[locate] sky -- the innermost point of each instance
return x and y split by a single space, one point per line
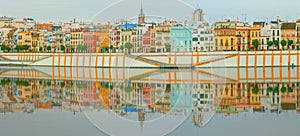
115 10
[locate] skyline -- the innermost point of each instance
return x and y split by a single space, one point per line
113 10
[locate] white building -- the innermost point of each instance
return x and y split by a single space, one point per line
202 32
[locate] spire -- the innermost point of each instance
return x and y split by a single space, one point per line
141 18
141 12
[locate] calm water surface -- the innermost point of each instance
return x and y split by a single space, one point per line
51 101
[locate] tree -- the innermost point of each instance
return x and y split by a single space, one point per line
122 48
62 84
255 90
255 43
25 47
41 49
79 48
5 48
290 90
62 48
128 89
128 46
111 47
48 48
276 90
270 43
283 89
72 49
84 48
283 44
276 43
105 49
270 89
291 42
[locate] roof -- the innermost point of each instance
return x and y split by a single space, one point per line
8 26
259 23
288 26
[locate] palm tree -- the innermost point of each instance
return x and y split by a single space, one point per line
283 44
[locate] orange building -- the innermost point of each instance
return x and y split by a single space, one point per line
255 99
289 32
225 36
225 98
288 99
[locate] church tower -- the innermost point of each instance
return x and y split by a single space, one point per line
141 18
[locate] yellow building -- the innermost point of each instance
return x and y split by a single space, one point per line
104 94
102 39
76 37
163 38
225 36
225 98
125 36
152 40
35 42
134 41
24 38
255 34
255 99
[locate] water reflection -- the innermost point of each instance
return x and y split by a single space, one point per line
146 97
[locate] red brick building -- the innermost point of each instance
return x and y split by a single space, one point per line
47 27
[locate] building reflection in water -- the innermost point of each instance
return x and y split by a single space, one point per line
128 97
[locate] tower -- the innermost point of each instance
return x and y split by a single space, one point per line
199 15
141 18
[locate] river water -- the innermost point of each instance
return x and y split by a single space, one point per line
66 101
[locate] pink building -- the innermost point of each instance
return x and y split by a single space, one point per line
146 41
90 93
90 39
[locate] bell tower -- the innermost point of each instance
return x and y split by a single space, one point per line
141 18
